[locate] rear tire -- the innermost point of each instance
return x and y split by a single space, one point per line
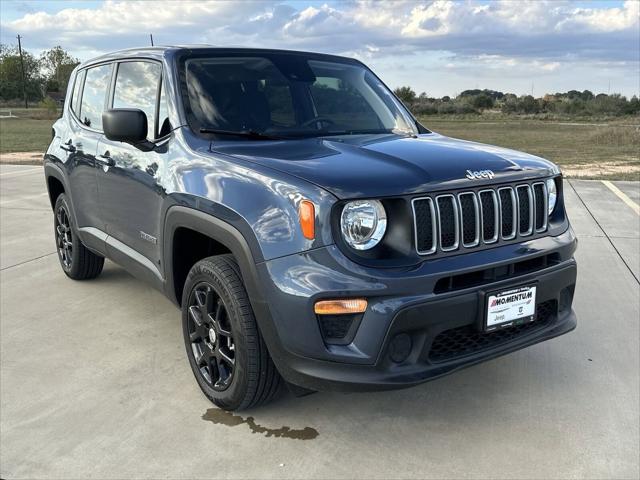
225 349
76 260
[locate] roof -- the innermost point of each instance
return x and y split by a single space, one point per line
158 52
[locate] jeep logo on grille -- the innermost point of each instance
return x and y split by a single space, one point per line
480 174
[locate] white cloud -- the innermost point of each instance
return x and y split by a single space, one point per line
542 37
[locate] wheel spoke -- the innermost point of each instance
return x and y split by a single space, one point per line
226 358
201 298
194 311
195 336
219 310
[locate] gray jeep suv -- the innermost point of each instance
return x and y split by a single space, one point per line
313 233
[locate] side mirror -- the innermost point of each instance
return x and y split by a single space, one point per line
128 125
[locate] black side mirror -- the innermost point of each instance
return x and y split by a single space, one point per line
128 125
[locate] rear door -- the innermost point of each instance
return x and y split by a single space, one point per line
81 143
130 191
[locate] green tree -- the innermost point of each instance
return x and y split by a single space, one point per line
57 65
482 101
11 75
406 94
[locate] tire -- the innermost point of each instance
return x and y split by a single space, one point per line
76 260
232 365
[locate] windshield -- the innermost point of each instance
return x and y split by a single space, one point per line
288 95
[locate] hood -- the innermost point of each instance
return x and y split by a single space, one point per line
366 166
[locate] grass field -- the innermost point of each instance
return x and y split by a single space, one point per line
607 149
586 150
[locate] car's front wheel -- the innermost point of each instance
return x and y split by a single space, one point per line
227 354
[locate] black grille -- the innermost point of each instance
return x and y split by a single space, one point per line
488 216
506 205
539 196
424 225
445 222
523 210
447 217
469 216
467 340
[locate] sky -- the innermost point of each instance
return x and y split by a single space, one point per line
438 47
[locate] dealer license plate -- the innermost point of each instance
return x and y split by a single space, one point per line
510 308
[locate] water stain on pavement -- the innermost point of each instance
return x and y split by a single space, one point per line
222 417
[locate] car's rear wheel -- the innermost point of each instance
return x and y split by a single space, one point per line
226 352
76 260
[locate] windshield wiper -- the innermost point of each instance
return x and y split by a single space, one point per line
239 133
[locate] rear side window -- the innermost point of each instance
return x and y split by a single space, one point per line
94 95
137 87
75 97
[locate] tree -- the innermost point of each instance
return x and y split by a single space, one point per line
482 101
57 64
11 74
406 94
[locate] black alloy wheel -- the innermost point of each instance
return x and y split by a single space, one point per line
212 344
64 237
76 260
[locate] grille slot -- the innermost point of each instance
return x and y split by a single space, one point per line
444 222
425 225
469 217
540 201
489 208
509 214
448 222
525 212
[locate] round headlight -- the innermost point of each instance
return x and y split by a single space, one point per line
363 223
552 194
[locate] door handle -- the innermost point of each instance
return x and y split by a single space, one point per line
106 159
68 147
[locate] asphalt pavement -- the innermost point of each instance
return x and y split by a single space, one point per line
94 382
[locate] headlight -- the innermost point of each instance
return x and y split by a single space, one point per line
363 223
552 194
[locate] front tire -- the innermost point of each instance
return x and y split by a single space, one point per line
225 349
76 260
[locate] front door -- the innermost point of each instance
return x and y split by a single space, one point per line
131 194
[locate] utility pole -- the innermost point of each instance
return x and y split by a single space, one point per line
151 37
24 85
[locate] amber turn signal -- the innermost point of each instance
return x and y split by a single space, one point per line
307 213
340 307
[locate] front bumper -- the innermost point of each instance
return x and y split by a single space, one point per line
442 324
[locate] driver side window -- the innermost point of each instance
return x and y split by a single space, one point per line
137 87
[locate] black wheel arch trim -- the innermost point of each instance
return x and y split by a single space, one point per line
52 170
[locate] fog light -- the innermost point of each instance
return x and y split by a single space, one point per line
400 348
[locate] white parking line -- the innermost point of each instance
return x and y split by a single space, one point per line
22 199
20 173
622 196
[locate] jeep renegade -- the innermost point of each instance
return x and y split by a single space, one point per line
312 231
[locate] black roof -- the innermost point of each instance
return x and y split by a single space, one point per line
159 52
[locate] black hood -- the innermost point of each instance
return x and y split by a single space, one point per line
366 166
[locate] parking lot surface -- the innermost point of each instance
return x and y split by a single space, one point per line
94 382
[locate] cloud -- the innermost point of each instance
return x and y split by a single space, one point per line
544 36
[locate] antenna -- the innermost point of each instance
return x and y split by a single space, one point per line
151 37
